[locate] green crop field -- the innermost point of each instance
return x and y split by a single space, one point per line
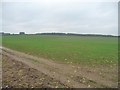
75 49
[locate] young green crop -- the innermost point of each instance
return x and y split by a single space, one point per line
75 49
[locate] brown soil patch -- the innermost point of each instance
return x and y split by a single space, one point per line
67 75
18 75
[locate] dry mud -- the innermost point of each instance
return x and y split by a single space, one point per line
23 70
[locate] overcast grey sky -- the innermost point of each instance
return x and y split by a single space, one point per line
60 16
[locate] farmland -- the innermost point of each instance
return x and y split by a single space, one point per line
74 49
55 61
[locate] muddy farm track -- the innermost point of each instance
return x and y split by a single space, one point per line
23 70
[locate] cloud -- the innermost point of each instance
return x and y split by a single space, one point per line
52 1
79 17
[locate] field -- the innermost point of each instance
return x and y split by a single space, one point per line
75 49
59 61
24 76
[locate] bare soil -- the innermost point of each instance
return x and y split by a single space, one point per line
23 70
18 75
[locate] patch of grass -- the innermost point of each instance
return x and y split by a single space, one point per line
0 40
76 49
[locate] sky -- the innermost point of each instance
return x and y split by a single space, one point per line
66 16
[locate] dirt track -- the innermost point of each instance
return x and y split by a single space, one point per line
66 75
